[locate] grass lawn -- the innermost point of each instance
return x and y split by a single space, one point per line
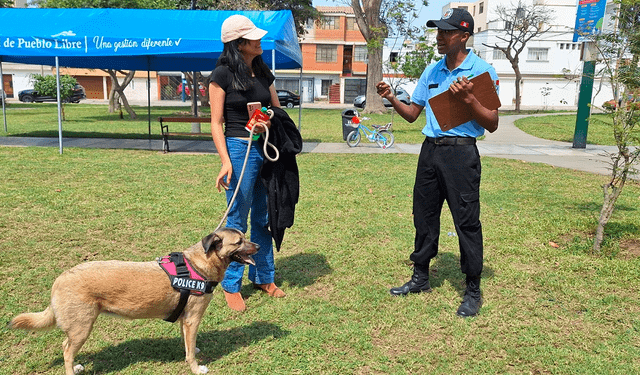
90 120
562 127
550 306
318 125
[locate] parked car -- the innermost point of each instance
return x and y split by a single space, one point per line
288 99
187 90
401 94
30 96
633 102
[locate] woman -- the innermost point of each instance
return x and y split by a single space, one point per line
242 77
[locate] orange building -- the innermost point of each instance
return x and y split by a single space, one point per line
334 55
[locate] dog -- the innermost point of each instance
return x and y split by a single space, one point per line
135 290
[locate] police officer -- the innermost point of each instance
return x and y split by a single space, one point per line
449 162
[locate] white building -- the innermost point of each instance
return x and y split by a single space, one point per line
550 64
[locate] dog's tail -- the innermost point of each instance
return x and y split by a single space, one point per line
34 321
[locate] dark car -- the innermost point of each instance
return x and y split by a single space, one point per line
288 99
403 96
30 96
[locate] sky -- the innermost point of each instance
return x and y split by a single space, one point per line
431 12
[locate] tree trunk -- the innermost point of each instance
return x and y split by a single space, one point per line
127 107
516 69
374 75
117 92
611 194
374 31
204 100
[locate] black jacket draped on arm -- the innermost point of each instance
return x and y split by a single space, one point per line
281 177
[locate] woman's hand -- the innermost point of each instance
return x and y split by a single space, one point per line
261 125
222 181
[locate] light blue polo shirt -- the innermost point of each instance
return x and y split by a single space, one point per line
436 79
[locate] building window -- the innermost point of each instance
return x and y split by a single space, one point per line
561 45
309 24
352 24
326 85
329 23
393 57
538 54
326 53
499 55
360 53
480 8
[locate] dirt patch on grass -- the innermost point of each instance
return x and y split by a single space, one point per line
404 341
630 249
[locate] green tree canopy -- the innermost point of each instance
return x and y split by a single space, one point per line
378 20
47 85
416 61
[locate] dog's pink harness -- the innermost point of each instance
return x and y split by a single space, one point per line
184 279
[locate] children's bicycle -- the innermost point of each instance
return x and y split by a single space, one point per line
381 134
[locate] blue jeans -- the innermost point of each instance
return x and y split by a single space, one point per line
252 196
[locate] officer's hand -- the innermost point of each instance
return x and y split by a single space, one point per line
384 90
461 90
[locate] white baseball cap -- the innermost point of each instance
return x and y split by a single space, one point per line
238 26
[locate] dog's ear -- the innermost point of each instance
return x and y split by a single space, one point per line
211 242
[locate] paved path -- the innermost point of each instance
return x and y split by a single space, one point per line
507 142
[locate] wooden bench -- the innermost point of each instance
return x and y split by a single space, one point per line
164 128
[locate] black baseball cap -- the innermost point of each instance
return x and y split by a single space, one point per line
454 19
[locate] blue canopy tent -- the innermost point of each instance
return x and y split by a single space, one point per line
135 39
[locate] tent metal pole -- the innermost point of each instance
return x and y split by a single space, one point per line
195 91
300 105
59 104
3 97
273 62
149 96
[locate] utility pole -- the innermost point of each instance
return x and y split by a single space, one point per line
589 20
584 98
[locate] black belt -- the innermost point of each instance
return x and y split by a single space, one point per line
451 141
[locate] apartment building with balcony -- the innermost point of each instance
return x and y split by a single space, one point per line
334 55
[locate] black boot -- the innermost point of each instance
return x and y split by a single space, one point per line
472 300
419 282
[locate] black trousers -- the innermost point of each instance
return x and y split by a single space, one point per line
451 173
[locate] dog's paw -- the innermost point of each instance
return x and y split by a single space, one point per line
78 369
203 369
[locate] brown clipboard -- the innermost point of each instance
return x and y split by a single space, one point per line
450 112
